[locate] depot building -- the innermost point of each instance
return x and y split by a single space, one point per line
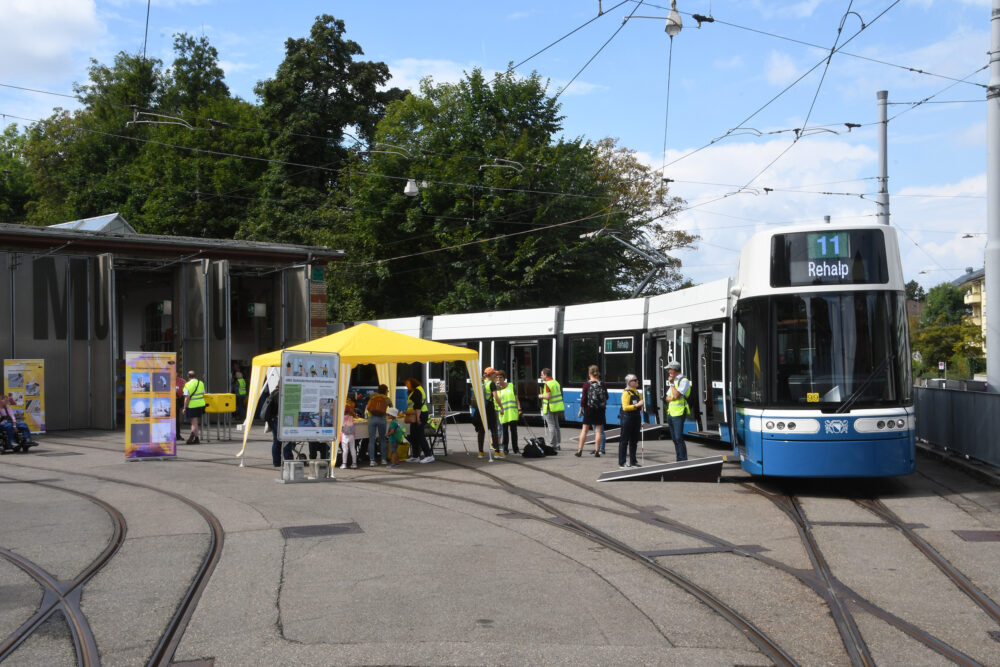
81 294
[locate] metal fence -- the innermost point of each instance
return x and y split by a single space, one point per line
966 422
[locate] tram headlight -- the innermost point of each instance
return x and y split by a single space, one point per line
791 426
781 426
769 425
900 423
880 424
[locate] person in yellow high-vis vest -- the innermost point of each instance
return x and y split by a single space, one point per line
508 412
552 407
194 405
678 390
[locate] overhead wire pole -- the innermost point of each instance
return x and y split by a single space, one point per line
991 278
883 157
658 260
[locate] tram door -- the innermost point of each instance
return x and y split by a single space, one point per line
709 380
670 346
524 375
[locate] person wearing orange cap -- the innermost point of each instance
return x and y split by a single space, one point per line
489 389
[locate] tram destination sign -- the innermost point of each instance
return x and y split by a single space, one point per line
835 257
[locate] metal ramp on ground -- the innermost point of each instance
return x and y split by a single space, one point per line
708 469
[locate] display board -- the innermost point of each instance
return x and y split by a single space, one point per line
24 381
150 405
834 257
309 395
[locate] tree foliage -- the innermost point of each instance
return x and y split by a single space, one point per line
945 332
503 201
321 157
914 291
944 304
319 93
15 183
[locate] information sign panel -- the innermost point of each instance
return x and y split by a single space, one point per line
24 381
150 405
309 395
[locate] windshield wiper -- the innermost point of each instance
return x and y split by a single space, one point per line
856 394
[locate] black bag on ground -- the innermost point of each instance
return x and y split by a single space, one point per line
531 450
548 450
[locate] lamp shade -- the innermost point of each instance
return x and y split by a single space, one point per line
411 188
674 25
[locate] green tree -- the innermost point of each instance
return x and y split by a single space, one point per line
15 182
319 94
195 77
81 162
945 332
914 291
497 220
944 304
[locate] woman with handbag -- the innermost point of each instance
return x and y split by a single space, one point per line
416 405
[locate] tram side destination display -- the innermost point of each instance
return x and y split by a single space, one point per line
308 399
835 257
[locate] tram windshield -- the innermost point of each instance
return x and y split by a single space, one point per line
840 350
830 351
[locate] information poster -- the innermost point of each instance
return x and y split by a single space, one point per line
150 405
308 395
24 381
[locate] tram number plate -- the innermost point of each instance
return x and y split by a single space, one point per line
812 397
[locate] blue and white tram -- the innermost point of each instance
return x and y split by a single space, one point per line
690 326
820 360
610 334
519 342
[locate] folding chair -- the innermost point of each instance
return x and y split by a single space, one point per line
434 431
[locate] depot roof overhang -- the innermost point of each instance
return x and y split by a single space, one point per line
27 238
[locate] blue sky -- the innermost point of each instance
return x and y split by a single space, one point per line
725 81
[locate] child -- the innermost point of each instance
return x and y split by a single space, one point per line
347 436
395 436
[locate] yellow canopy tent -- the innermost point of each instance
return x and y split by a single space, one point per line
366 344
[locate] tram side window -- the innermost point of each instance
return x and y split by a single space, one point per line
750 357
582 352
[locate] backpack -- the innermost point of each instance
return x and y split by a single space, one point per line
269 410
377 405
597 396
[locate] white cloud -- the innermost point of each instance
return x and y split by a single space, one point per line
804 9
408 72
229 67
39 41
733 62
933 219
780 69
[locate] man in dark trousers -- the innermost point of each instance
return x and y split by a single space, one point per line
489 389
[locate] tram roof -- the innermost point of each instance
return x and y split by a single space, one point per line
691 305
499 324
410 326
621 315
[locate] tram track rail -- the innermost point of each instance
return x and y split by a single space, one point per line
747 628
826 585
64 597
840 597
170 638
962 582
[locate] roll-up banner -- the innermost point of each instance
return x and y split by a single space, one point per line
308 396
150 405
24 381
